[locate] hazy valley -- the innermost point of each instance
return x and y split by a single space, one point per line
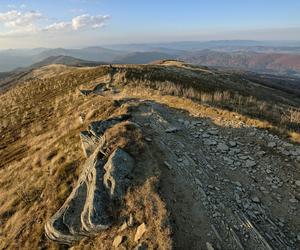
260 57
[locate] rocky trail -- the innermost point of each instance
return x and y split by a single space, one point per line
160 156
226 187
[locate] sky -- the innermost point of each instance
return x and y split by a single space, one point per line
81 23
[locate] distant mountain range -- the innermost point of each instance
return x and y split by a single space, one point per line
143 57
8 79
273 63
65 60
12 59
281 58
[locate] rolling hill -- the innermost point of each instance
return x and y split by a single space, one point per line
274 63
167 155
65 60
9 79
143 57
13 59
250 55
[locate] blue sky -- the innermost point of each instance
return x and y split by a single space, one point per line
77 23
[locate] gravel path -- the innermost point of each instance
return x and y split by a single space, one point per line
226 187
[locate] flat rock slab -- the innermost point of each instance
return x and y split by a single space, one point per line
98 128
118 167
90 138
86 210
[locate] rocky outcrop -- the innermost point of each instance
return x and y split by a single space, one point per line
88 143
90 138
87 210
97 90
118 167
98 128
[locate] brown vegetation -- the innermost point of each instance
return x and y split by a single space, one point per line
40 146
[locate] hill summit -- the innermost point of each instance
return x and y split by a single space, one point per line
166 155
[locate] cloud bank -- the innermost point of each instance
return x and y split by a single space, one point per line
18 22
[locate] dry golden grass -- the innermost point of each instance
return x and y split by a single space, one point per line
41 156
142 200
228 91
194 108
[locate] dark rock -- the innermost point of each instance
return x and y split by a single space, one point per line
118 167
98 128
87 210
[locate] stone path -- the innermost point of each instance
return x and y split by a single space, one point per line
227 187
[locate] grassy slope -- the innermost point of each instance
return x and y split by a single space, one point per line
41 158
40 149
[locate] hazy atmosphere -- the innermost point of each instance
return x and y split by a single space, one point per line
78 23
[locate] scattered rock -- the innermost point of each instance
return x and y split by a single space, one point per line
297 183
205 135
130 221
81 118
232 144
293 200
210 142
209 246
261 153
118 241
172 130
250 163
223 147
168 165
213 132
140 232
123 227
271 144
243 157
141 246
256 199
148 139
85 92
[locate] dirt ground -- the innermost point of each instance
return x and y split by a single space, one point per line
224 184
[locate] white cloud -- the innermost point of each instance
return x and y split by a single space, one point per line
19 21
81 22
87 21
58 26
